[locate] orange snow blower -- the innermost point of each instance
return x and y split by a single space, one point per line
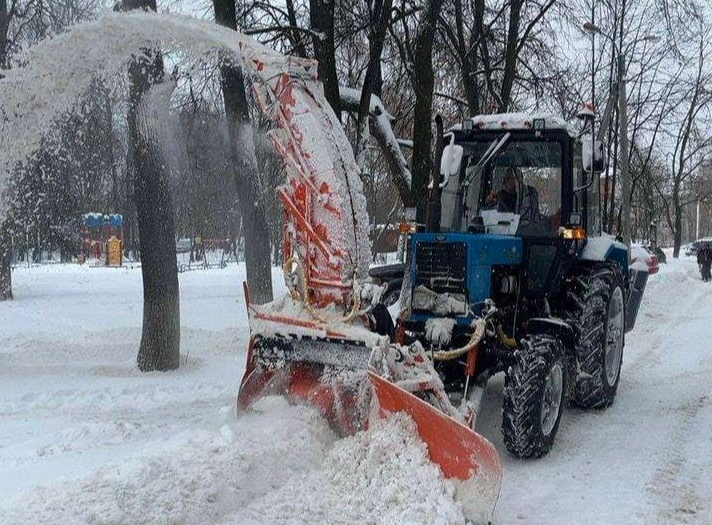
348 371
319 344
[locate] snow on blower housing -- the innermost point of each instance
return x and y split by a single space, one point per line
510 274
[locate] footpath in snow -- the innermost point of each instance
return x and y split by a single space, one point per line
86 438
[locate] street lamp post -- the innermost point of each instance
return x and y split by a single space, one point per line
625 171
593 29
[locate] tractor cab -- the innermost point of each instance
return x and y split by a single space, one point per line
516 175
512 212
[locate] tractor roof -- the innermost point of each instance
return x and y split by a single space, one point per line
516 121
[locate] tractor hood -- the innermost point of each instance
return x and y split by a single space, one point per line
451 273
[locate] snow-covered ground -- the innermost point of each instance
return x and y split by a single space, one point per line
87 439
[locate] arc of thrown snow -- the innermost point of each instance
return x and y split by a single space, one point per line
60 70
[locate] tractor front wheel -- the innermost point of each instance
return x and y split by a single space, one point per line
534 393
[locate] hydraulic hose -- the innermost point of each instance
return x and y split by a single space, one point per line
475 338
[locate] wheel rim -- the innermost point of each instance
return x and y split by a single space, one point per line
614 336
551 400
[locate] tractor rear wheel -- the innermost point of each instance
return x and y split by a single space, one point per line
597 310
534 394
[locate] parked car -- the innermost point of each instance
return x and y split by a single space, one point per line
645 254
692 248
183 245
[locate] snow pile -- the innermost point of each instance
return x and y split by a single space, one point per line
381 476
597 247
87 439
119 447
192 478
276 465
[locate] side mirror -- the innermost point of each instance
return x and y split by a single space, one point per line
451 160
599 163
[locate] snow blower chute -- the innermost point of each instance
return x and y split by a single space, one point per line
325 343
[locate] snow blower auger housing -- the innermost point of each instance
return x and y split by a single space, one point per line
329 341
513 241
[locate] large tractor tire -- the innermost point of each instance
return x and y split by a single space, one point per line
534 395
597 311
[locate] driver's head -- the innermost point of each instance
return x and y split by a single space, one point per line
510 180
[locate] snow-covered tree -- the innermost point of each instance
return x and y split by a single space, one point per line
160 336
244 162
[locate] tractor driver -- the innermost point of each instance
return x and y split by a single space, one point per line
506 198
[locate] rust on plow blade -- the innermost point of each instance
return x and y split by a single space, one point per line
464 456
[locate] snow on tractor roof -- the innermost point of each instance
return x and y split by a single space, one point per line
515 121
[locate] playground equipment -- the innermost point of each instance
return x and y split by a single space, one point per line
102 238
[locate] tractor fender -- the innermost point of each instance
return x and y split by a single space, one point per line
553 326
605 248
638 280
563 331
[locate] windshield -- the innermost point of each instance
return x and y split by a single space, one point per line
523 178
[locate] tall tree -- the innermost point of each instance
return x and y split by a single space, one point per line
511 54
5 265
5 269
692 148
254 217
423 85
160 337
321 14
380 19
4 26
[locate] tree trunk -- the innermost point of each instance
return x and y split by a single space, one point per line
380 19
294 35
511 55
382 131
423 85
5 268
677 234
4 23
160 337
468 58
614 176
258 260
321 15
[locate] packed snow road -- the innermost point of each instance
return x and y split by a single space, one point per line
86 438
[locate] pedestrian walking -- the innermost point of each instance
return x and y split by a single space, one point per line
704 259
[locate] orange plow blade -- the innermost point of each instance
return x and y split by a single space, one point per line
311 372
461 453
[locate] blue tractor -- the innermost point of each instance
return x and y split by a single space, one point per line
513 244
